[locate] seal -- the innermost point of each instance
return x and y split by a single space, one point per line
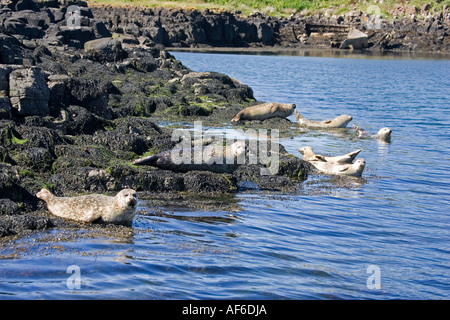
120 209
339 122
383 135
309 155
351 169
213 158
265 111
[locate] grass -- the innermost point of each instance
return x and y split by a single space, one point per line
280 7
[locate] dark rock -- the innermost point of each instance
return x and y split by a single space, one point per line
37 159
10 183
5 108
198 182
104 49
19 224
8 207
91 94
81 121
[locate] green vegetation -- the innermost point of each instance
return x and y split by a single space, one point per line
18 141
281 7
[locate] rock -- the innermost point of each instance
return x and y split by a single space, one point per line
425 8
81 121
265 33
91 94
10 183
29 93
5 108
356 40
104 49
36 159
8 207
10 50
19 224
57 84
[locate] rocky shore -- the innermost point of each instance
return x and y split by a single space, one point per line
78 105
182 28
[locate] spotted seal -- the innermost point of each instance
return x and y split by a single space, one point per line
120 209
213 159
339 122
265 111
309 155
350 169
383 135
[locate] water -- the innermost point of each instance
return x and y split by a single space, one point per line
318 244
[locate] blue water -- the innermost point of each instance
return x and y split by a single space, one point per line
317 244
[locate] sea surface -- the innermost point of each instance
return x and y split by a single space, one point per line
385 236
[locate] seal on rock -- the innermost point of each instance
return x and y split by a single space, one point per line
265 111
383 135
351 169
120 209
213 158
309 155
339 122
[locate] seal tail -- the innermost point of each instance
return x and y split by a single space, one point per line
352 155
150 160
45 195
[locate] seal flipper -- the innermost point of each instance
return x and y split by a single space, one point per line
150 160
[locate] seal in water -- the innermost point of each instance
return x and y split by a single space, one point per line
309 155
265 111
93 207
214 159
339 122
383 135
353 169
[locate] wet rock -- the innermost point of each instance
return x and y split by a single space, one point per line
198 182
19 224
29 94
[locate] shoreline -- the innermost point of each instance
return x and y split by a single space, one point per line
78 105
317 52
205 29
